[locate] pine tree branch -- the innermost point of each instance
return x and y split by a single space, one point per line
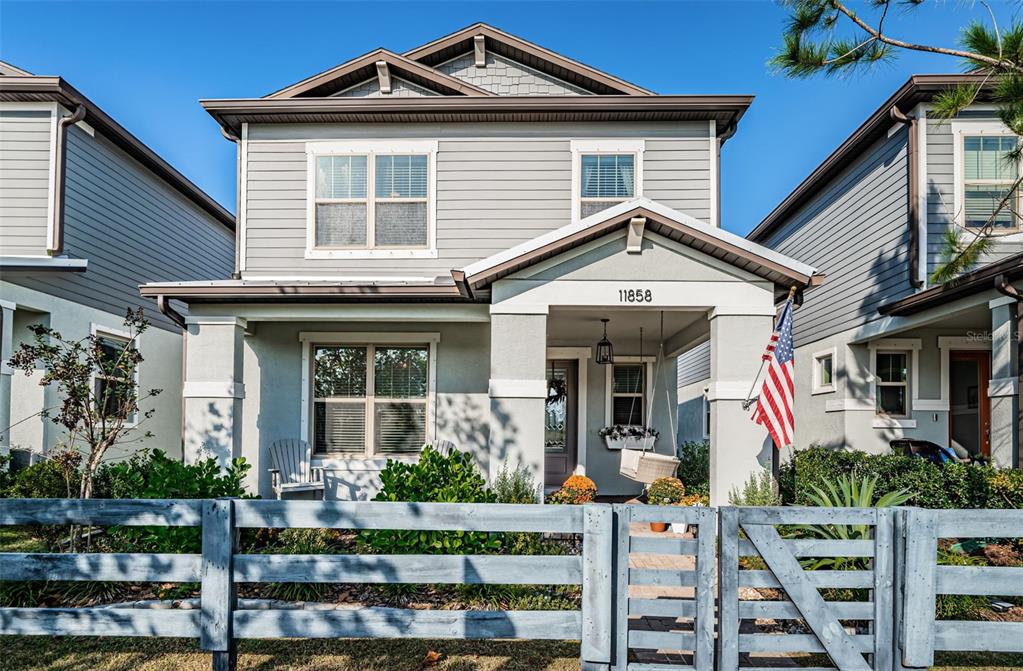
968 55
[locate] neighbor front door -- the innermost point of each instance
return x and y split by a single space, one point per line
560 422
969 418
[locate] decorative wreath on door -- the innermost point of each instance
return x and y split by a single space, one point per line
556 391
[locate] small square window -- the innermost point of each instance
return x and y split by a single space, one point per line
824 372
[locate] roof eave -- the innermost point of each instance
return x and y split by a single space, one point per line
982 279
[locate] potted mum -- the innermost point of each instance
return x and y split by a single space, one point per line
628 437
664 492
577 490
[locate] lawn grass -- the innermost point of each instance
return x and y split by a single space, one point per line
37 653
20 539
977 661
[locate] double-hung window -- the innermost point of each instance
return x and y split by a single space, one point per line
371 199
113 383
370 399
986 175
604 173
628 394
891 381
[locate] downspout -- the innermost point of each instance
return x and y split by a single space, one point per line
163 304
1003 287
231 136
56 247
912 151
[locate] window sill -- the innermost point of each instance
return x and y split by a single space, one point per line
370 253
823 390
894 423
357 463
1011 234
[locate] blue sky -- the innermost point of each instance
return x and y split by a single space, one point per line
148 63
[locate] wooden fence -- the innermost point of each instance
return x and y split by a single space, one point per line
863 594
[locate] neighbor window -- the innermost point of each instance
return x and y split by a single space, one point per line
113 385
369 399
824 372
606 180
706 415
372 202
987 177
628 394
892 383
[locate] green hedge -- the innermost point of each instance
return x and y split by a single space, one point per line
933 485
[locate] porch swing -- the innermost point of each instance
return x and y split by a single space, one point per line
645 466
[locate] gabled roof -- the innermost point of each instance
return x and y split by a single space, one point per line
360 69
662 220
533 55
8 70
20 88
917 89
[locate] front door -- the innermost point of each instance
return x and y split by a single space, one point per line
969 418
560 413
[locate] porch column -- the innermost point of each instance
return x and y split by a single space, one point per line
213 389
518 354
1003 390
6 372
738 447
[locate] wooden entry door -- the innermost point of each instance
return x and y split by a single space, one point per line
969 417
560 422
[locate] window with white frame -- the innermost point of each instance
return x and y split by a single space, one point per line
114 383
628 394
985 176
371 198
891 380
824 372
369 399
605 172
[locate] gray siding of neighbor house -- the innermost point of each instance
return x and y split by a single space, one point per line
25 149
506 77
856 232
694 365
371 89
941 193
133 228
497 185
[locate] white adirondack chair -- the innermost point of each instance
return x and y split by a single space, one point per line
292 471
445 447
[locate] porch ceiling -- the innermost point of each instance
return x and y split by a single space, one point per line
575 327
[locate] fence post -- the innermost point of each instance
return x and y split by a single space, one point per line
595 650
728 589
217 601
920 566
620 649
884 585
703 623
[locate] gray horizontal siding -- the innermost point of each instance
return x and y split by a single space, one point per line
941 194
371 89
855 231
133 228
694 365
25 148
507 77
492 193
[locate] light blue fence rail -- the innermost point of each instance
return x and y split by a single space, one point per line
862 595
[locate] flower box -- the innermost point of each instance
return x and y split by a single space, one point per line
630 442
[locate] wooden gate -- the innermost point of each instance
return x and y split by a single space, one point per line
923 580
667 619
842 608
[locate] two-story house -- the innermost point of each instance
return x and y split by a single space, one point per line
882 353
87 213
430 246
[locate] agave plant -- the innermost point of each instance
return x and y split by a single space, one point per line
846 492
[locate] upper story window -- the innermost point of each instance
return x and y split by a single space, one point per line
985 175
604 173
372 199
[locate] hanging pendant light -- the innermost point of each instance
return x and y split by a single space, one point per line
605 350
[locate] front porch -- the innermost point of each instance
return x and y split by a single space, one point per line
367 372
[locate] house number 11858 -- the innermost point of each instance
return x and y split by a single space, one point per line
635 295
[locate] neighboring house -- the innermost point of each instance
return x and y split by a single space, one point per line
428 238
87 213
881 352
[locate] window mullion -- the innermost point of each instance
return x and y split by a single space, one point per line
370 400
371 199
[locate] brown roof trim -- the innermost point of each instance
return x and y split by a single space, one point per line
655 223
359 69
548 61
917 89
231 113
16 88
284 292
979 280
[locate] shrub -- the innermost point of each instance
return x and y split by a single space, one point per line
959 606
1006 488
694 467
576 490
759 490
43 480
515 486
434 478
665 492
300 542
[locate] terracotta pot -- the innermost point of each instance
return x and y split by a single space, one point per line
658 526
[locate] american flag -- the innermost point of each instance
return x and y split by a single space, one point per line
774 407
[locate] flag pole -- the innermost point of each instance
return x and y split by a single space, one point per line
750 398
